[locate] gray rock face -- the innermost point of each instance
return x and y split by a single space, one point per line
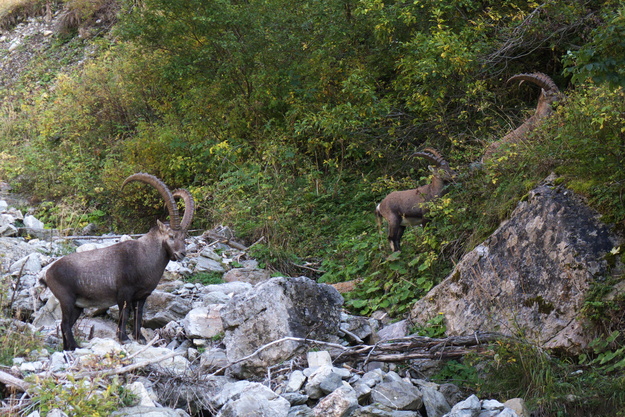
12 250
278 308
397 394
203 322
435 403
245 398
251 275
530 276
340 403
161 308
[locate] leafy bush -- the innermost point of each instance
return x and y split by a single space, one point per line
602 59
13 12
16 342
79 397
555 385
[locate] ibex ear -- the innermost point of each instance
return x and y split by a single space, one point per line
161 226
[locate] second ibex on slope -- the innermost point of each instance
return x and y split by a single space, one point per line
409 207
125 273
549 94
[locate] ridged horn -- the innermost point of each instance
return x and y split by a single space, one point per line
160 186
433 155
189 207
542 80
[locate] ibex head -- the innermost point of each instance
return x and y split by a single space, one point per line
549 90
442 168
173 235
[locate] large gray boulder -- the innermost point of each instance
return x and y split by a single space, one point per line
275 309
244 398
251 275
531 276
396 393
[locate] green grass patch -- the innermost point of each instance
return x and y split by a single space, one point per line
205 278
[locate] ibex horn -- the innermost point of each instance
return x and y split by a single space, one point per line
189 207
433 155
542 80
164 192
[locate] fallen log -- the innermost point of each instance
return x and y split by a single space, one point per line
396 350
13 382
418 347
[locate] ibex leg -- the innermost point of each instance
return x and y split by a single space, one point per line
138 315
124 313
70 314
395 232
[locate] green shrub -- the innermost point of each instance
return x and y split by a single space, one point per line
13 12
555 385
79 397
16 342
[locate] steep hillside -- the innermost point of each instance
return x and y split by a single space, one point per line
290 121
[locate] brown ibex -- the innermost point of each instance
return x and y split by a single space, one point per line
409 207
125 273
548 95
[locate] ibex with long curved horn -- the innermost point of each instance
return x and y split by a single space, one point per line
408 207
548 95
125 273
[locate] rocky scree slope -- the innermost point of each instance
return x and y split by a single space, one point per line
271 345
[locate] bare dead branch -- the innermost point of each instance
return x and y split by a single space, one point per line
11 381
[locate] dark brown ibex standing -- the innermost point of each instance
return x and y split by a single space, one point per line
409 208
548 95
125 273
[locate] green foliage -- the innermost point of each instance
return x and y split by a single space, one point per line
289 121
206 278
462 373
589 145
602 59
275 259
608 353
16 342
435 327
13 12
79 397
64 217
553 385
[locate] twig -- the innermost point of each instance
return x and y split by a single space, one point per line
417 347
121 370
99 237
319 271
262 238
225 240
143 364
17 284
353 336
144 348
284 339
